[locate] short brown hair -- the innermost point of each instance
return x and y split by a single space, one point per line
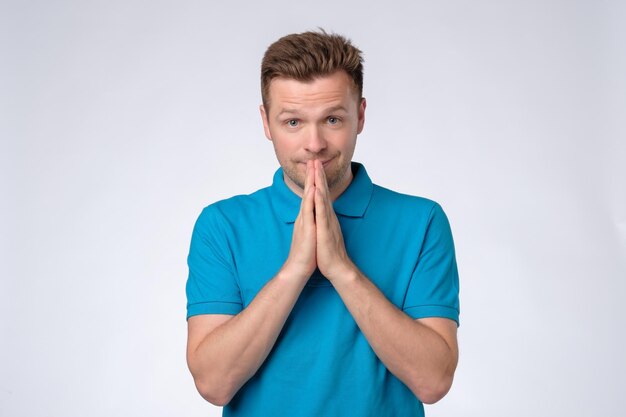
305 56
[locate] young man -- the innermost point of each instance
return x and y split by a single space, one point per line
323 294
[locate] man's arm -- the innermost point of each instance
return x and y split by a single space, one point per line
421 353
224 351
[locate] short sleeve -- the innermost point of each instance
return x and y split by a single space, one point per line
434 287
212 285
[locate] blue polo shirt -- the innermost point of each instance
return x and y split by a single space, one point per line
321 364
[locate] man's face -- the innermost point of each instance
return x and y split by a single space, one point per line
318 119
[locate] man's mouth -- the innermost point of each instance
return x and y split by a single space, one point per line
324 163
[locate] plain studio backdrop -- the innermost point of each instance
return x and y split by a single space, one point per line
121 120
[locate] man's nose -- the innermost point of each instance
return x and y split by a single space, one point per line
315 142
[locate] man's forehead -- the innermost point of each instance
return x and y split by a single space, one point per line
332 91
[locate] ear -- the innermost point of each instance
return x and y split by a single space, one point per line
266 123
361 122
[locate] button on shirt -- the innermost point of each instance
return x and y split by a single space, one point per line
321 364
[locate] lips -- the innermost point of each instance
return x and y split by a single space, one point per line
323 162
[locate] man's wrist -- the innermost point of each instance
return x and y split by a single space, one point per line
289 274
347 272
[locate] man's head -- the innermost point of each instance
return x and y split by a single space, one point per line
312 105
309 55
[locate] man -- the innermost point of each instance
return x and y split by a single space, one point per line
323 294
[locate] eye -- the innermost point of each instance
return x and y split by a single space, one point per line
333 120
293 123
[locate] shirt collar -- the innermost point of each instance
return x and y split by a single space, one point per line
351 203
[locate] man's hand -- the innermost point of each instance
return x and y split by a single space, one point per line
301 261
332 258
317 240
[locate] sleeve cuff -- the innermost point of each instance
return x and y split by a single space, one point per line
217 307
422 312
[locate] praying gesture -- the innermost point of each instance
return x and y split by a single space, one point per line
317 239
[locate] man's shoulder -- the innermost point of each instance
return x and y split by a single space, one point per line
416 213
238 204
395 200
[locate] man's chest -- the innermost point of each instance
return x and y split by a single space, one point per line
386 254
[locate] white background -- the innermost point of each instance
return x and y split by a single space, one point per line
120 120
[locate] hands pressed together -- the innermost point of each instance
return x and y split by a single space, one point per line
317 241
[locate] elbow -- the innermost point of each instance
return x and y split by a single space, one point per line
432 395
432 386
432 391
215 386
218 395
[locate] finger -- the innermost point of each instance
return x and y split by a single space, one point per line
323 177
323 185
320 176
321 213
309 172
308 205
308 183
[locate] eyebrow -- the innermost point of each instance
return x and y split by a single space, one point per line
328 110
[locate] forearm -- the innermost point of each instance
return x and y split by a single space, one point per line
413 352
230 355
